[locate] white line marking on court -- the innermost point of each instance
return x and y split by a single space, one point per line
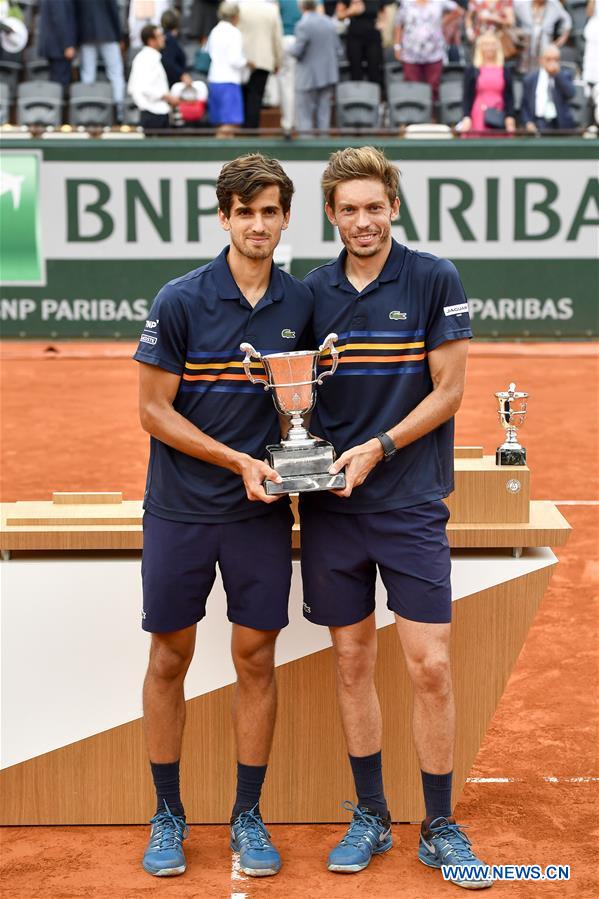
236 873
239 896
547 779
490 780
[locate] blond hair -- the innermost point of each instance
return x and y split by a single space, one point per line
359 163
477 59
246 176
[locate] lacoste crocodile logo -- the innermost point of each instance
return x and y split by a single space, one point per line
286 332
398 316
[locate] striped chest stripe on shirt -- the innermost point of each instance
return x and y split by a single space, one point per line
220 371
379 353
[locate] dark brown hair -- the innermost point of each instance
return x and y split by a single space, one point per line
246 176
359 163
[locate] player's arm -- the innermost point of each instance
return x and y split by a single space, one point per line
447 365
157 391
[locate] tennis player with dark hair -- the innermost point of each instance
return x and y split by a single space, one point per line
205 502
403 324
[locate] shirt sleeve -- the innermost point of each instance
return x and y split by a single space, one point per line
449 318
163 341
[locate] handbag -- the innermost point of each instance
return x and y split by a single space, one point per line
191 107
495 118
201 61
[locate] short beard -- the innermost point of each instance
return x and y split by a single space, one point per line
252 252
366 252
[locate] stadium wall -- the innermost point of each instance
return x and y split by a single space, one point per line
89 231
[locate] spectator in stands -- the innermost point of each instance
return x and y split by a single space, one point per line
317 50
290 16
227 63
546 94
363 38
262 31
142 13
203 18
99 30
488 89
488 15
173 54
148 84
58 38
419 41
541 20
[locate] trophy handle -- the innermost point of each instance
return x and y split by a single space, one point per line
329 344
249 351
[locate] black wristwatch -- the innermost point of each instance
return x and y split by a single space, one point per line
389 448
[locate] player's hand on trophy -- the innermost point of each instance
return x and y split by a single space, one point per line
254 472
358 463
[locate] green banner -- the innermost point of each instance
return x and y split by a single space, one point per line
89 231
20 255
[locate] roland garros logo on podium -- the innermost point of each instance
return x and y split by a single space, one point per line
21 260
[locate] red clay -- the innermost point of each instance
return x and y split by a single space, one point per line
71 423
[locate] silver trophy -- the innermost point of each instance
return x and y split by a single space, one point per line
302 461
512 412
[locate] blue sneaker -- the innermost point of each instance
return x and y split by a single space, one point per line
367 835
257 855
443 842
164 856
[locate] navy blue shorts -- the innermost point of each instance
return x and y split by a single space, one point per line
341 552
179 567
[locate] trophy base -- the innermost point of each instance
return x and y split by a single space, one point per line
304 468
505 455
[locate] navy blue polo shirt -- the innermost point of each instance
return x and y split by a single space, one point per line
385 333
194 330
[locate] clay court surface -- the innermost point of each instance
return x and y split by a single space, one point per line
69 422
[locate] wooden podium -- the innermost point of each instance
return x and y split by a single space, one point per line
74 660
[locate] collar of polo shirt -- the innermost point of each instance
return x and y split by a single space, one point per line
226 285
389 272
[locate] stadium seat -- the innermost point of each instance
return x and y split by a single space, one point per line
580 108
91 104
4 103
132 114
450 102
570 67
453 72
393 72
9 74
358 104
37 68
570 54
410 102
39 103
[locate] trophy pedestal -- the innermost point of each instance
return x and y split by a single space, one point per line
510 455
304 467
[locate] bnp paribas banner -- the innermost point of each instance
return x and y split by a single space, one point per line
90 231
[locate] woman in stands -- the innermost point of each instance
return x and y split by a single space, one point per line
488 101
227 64
419 40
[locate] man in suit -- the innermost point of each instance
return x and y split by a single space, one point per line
58 38
317 51
262 30
546 95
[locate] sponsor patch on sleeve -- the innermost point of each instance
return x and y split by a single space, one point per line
458 309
